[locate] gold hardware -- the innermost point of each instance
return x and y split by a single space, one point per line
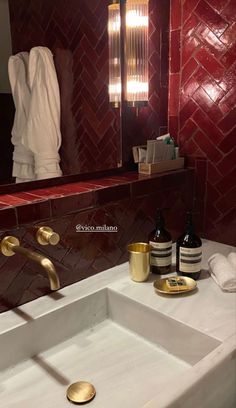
11 245
46 236
80 392
5 245
139 261
162 286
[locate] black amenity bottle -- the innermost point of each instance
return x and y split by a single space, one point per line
189 251
161 242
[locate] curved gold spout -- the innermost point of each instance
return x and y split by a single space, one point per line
11 245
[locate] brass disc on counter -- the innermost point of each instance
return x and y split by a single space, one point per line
80 392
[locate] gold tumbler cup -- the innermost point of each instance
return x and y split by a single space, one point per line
139 261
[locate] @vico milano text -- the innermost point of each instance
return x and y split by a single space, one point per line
96 228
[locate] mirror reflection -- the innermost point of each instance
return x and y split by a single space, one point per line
59 79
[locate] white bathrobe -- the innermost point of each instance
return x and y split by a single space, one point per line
43 136
23 159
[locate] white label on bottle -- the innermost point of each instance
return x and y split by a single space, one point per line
190 259
161 253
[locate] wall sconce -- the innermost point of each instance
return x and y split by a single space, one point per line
136 52
114 53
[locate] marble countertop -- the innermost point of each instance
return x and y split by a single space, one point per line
208 310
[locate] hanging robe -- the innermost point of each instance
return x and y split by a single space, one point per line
43 136
23 159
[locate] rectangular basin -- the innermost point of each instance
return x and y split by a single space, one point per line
127 350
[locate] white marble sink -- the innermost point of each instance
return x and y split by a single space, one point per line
106 338
137 348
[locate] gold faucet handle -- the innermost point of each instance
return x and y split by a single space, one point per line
6 245
46 236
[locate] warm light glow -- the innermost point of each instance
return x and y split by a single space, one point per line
135 87
113 18
115 89
114 54
133 19
212 90
136 56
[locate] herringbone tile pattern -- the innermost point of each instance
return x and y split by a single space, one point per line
80 255
203 118
76 33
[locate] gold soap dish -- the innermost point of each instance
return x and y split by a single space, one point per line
174 285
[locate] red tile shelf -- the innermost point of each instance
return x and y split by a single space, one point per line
36 205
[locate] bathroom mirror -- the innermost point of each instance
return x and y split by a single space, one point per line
76 33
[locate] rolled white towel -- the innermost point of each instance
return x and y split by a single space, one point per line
223 272
232 259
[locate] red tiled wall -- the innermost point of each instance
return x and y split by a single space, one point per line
202 112
128 202
76 33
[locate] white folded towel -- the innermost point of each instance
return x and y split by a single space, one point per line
223 272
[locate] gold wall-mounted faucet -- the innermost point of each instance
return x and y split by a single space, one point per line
46 236
10 246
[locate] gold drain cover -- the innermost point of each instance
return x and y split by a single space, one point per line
80 392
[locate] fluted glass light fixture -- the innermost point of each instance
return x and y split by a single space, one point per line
114 53
136 52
